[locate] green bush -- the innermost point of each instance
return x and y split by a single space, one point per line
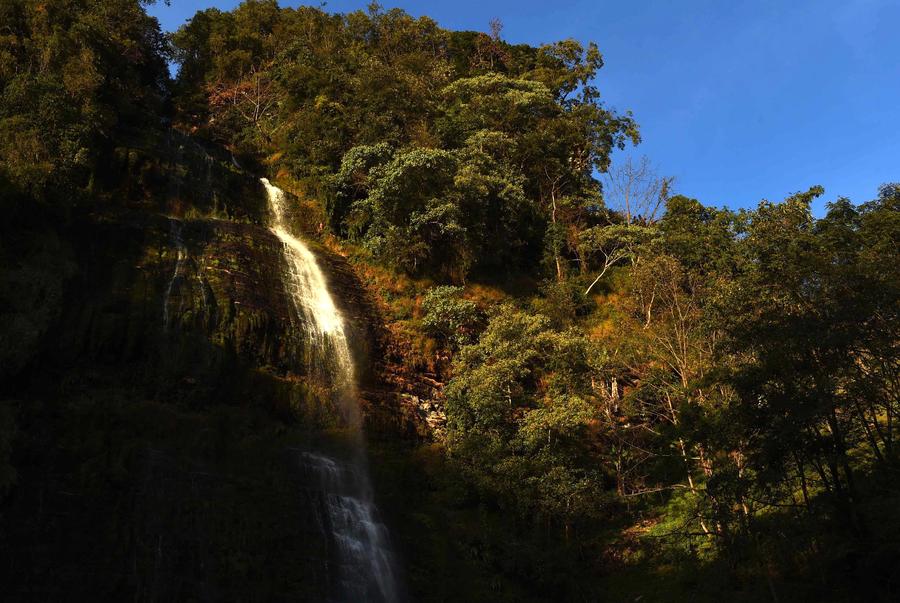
449 318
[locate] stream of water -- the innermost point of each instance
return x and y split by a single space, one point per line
180 258
364 561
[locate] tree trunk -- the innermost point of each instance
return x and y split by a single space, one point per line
559 275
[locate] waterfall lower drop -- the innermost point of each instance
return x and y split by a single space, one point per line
348 516
346 513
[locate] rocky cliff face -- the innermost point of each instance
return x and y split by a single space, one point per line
192 304
156 400
197 308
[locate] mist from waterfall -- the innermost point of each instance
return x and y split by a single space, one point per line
361 548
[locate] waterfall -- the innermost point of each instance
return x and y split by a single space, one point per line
349 518
181 284
344 510
315 309
181 256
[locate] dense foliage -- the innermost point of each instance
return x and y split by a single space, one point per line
747 381
442 152
77 78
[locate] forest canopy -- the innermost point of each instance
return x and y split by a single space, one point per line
77 78
441 152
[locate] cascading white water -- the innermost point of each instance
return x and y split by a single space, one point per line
365 562
314 307
361 546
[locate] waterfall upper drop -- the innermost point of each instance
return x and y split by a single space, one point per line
322 321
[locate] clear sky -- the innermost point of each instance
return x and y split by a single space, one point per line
739 100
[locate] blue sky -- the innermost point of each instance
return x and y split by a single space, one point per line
739 100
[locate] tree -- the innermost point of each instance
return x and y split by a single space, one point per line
518 410
608 246
78 79
797 325
636 190
408 215
704 239
450 318
252 100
